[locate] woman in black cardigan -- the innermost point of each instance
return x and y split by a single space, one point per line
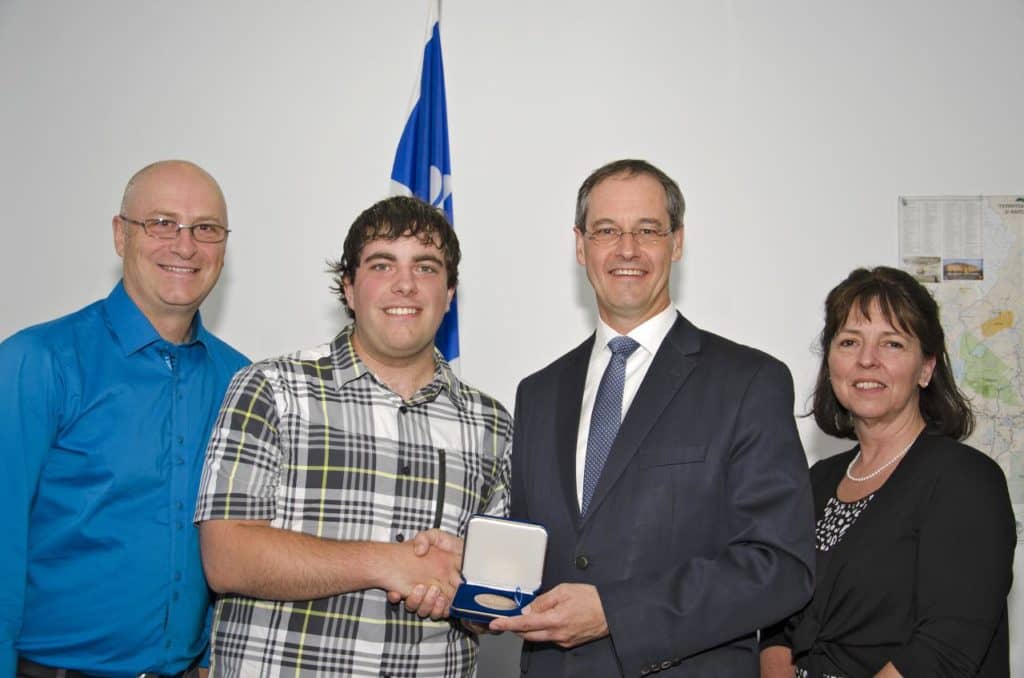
915 531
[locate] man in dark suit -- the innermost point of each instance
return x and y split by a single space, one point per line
666 467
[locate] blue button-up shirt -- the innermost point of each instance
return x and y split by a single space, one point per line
103 429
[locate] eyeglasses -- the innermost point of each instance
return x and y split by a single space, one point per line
167 229
608 235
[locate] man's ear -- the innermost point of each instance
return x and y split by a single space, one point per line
677 243
451 295
581 255
346 289
119 235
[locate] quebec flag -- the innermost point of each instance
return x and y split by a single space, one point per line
423 163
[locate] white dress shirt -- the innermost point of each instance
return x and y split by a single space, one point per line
649 335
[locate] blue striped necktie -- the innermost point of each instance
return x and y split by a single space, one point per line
607 415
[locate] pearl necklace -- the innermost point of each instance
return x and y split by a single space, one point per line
861 479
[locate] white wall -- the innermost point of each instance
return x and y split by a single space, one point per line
791 126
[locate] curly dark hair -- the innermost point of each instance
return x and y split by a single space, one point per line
909 307
390 219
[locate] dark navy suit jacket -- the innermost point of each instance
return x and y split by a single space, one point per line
701 528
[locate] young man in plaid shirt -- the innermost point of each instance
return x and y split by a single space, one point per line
326 464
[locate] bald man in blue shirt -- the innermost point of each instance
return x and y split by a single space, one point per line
104 419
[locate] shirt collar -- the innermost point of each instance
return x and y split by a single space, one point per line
349 367
649 334
131 327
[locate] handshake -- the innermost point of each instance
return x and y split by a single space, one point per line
425 573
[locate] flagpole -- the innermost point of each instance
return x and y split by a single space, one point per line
422 164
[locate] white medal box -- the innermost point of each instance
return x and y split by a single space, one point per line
502 567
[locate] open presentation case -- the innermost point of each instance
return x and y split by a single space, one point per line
502 566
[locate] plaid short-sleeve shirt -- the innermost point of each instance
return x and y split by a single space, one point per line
315 443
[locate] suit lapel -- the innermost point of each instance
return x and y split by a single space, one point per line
669 369
567 421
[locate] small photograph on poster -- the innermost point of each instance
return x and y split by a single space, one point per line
924 269
963 269
942 238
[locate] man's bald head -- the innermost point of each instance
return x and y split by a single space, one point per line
163 168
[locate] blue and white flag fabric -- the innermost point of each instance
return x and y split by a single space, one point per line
423 163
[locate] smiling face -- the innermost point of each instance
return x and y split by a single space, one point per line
631 282
168 279
399 295
877 370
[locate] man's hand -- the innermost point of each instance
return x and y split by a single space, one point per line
436 572
567 615
423 541
432 599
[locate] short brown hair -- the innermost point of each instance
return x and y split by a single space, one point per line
674 202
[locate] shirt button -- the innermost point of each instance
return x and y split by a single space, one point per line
402 409
405 469
181 439
582 562
399 537
177 576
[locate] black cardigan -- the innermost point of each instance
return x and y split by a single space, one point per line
920 579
